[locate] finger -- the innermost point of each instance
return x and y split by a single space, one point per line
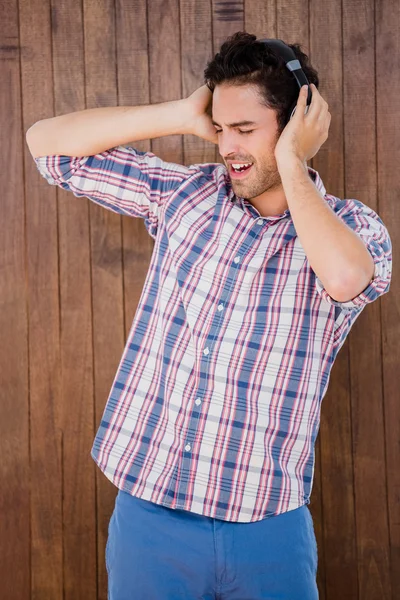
317 96
302 99
317 104
301 102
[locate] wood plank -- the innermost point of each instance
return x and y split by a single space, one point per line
338 527
387 26
14 399
196 51
79 516
106 252
44 319
165 69
365 342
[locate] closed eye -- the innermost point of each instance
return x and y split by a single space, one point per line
239 130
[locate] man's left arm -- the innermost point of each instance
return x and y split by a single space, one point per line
336 254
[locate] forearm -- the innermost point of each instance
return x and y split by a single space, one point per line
94 130
336 253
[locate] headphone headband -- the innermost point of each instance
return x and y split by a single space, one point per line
293 65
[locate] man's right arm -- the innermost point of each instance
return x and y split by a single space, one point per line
84 153
94 130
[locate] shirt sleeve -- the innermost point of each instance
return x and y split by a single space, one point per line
367 224
122 179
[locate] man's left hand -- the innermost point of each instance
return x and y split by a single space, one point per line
305 133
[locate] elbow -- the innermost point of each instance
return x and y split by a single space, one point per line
35 138
350 287
32 129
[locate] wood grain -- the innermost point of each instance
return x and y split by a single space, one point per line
106 256
387 40
370 486
72 274
14 349
45 386
77 403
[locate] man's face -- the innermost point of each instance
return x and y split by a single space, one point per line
232 105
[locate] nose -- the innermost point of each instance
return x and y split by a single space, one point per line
228 144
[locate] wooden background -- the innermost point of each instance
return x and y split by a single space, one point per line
71 274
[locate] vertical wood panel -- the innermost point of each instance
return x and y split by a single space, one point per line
14 421
196 51
337 521
165 68
106 252
44 317
387 27
76 327
365 343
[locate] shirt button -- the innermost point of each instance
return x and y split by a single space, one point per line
187 447
220 307
236 259
197 401
206 351
260 221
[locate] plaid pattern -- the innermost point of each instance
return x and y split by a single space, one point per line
215 406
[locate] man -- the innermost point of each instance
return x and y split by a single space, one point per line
256 279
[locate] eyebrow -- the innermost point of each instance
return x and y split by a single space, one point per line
238 124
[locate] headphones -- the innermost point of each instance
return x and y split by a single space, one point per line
293 64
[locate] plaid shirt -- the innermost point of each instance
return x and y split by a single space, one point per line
215 406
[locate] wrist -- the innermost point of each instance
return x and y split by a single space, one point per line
290 161
186 116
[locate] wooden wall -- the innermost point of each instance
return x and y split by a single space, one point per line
71 274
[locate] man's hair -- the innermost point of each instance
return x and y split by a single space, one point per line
243 61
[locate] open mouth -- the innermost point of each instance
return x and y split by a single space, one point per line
241 171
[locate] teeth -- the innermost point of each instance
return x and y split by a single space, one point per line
241 165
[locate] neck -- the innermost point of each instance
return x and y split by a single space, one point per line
271 203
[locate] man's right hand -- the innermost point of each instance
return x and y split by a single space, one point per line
199 105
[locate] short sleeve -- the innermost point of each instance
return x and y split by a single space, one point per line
367 224
122 179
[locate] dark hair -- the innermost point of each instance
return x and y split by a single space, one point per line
243 61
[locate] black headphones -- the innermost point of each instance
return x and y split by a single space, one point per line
293 64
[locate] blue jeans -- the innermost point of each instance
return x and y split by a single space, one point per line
158 553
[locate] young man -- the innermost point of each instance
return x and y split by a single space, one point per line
256 279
